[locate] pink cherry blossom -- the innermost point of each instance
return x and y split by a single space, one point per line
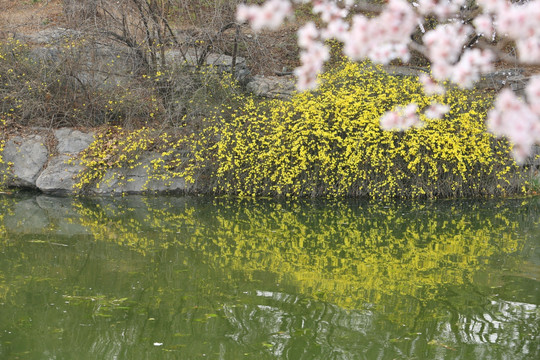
271 15
307 35
441 70
402 118
426 7
445 42
328 10
442 9
445 10
384 38
493 6
358 38
312 61
533 94
388 36
436 111
514 119
529 50
473 62
484 25
336 29
430 86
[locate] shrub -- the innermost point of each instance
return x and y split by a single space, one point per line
3 166
120 149
58 86
329 143
54 86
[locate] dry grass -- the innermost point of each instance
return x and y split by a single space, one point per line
28 17
267 52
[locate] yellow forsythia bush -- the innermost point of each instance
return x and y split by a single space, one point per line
329 143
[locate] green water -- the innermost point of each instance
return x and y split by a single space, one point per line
200 278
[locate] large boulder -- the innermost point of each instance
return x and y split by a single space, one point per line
137 179
71 141
281 87
60 175
191 58
91 62
26 157
54 36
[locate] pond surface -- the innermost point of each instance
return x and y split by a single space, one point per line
200 278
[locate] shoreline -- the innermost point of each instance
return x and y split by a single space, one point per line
48 161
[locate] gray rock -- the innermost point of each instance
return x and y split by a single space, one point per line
72 141
403 71
534 159
281 87
53 35
136 180
218 60
45 54
28 156
59 176
92 64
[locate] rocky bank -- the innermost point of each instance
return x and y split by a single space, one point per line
47 160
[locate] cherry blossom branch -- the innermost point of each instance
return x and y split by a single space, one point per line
457 48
